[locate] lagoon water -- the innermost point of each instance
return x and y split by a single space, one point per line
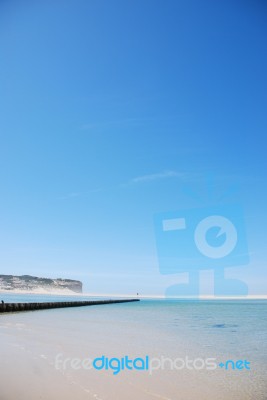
38 349
28 298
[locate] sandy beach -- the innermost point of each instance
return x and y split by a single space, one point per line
35 344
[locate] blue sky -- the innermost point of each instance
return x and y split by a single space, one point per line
112 111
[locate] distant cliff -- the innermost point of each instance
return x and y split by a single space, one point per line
34 284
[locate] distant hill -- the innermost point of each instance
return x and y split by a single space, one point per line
29 283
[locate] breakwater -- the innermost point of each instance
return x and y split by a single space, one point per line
17 307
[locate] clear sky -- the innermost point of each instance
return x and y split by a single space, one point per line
112 111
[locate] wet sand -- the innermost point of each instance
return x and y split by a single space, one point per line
30 343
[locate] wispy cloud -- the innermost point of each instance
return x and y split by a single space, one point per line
157 176
71 195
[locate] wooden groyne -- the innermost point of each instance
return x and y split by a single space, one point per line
16 307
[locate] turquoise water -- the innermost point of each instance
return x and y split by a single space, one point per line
237 327
222 330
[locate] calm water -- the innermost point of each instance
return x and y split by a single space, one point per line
28 298
236 327
217 329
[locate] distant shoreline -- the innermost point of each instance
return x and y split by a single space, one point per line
63 292
66 292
